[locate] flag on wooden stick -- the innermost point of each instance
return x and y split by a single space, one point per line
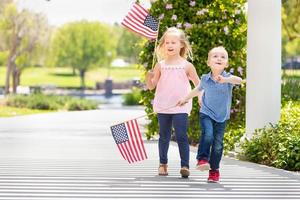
140 21
129 141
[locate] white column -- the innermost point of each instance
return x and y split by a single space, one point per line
263 92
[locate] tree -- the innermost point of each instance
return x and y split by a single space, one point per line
22 31
129 45
290 28
208 23
83 45
3 4
291 18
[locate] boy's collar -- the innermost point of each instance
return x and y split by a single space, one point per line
210 75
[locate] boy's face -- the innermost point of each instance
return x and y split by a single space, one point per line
218 59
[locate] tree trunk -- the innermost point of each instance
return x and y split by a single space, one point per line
19 77
16 40
16 78
15 75
8 73
82 75
9 70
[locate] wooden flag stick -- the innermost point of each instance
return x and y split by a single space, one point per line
155 112
147 114
155 45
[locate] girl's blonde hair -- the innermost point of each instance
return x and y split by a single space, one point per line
185 51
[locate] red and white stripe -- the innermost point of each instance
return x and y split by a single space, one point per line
134 21
133 150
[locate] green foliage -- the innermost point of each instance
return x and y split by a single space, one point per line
290 28
83 45
129 46
38 101
50 102
3 58
277 145
290 85
64 78
133 98
235 129
208 23
81 104
23 35
290 89
78 44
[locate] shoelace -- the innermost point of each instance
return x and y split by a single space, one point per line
213 173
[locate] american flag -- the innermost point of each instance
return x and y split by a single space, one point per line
129 141
139 21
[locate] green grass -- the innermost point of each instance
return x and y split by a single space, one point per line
63 77
290 73
6 111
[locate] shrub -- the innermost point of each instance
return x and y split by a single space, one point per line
277 145
42 103
133 98
234 132
290 89
81 104
18 101
207 23
50 102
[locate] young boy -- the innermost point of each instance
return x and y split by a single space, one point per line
214 112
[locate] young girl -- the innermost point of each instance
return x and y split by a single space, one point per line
171 77
214 112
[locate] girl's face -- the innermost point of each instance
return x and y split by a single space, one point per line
172 45
218 59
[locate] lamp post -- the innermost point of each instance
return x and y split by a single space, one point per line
108 84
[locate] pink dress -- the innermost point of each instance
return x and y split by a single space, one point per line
172 86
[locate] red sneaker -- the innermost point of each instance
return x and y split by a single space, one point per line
202 165
214 176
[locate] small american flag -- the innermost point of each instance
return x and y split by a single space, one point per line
129 141
139 21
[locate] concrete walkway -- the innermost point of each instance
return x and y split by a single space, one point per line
72 155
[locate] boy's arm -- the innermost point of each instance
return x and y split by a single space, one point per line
190 95
231 79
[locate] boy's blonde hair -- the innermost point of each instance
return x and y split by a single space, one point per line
215 48
185 51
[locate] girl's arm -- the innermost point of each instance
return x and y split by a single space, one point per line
152 77
231 79
190 95
192 74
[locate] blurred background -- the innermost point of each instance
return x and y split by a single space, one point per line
79 49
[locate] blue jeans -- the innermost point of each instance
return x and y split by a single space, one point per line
180 123
211 141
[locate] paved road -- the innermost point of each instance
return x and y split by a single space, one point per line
71 155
